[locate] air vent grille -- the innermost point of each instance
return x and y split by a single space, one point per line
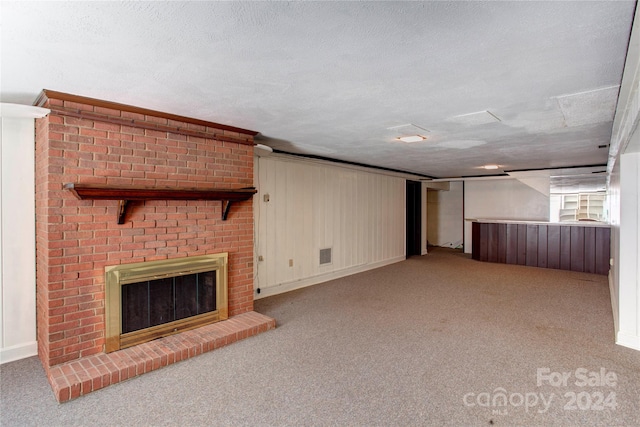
325 256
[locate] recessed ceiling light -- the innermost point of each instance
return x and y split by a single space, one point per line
490 167
412 138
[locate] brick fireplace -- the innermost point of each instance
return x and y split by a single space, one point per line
85 141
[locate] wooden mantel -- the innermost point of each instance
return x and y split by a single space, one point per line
125 193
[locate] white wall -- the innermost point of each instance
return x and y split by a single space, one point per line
17 232
624 190
313 205
446 221
624 282
502 199
613 190
629 272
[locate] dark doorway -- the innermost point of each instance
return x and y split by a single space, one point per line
414 218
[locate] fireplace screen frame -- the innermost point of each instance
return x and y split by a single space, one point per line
117 276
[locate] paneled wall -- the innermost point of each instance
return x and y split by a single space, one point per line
624 199
566 247
17 238
303 207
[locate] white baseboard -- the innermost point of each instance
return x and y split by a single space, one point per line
614 303
622 338
309 281
17 352
628 340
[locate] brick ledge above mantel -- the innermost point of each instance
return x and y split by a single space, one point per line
79 377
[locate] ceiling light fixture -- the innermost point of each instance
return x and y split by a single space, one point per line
411 138
490 167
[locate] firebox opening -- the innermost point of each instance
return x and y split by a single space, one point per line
149 300
156 302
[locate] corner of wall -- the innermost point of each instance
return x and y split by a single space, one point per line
623 170
18 335
613 294
628 340
17 352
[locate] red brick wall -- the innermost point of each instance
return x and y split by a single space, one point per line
87 143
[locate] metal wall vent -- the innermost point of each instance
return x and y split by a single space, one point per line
325 256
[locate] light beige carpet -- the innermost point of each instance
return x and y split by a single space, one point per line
434 340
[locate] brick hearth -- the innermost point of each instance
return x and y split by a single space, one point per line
79 377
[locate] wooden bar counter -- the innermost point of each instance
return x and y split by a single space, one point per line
576 246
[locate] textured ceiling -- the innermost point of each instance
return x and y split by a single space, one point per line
525 85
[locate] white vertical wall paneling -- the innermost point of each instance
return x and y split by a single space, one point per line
387 245
2 178
17 232
285 221
318 221
269 242
376 217
339 231
18 240
306 224
629 254
624 190
613 190
399 200
360 215
293 232
364 237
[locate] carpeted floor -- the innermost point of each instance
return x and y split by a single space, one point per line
435 340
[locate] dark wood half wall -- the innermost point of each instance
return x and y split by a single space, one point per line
573 247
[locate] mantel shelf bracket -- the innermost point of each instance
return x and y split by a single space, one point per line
125 194
225 209
122 209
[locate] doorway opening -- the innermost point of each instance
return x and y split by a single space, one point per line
414 218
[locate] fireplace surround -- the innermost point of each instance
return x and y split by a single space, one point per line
91 142
149 300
